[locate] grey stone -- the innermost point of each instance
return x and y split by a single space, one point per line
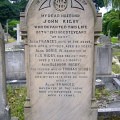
109 113
104 60
109 109
116 82
15 64
59 50
108 82
104 40
4 109
99 84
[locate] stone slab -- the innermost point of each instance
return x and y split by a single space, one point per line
61 59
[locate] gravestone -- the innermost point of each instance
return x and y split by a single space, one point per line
15 64
4 109
104 57
59 40
104 60
105 40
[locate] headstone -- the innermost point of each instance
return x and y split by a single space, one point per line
15 64
104 56
4 110
104 40
104 60
60 59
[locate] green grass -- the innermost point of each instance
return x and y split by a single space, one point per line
11 40
116 52
116 68
114 40
99 93
16 98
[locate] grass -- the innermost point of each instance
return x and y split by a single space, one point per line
100 93
114 40
116 68
16 99
11 40
116 52
117 92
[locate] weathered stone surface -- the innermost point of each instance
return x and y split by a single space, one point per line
104 60
60 61
104 40
15 65
98 26
116 82
3 104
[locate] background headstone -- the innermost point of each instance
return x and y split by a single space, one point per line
105 40
104 60
4 109
15 64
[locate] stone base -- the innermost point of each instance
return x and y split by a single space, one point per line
27 110
6 114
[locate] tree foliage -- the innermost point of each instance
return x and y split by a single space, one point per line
12 24
100 3
111 22
115 3
6 11
10 11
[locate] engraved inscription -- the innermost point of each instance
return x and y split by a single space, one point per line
61 58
